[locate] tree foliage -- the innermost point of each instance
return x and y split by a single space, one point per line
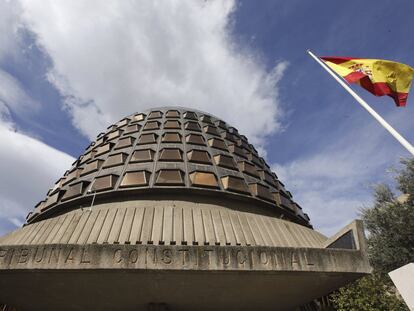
371 293
390 226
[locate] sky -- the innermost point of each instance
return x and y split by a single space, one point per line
68 69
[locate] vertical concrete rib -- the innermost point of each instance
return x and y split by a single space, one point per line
167 232
107 226
116 226
127 226
218 227
79 227
135 234
228 228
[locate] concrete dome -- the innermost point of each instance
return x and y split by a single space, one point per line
161 198
170 150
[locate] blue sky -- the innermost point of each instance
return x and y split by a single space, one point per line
67 70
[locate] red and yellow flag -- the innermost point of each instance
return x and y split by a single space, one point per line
379 77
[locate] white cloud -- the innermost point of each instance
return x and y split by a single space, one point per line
14 97
28 169
112 58
9 29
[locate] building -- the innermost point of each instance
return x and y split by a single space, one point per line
173 209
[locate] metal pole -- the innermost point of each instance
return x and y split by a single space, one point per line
384 123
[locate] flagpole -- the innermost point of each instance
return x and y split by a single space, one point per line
384 123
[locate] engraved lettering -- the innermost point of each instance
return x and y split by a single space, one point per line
185 253
118 255
276 261
308 262
206 253
24 255
3 253
133 256
226 257
294 260
11 256
263 258
69 256
166 256
154 255
84 257
37 258
55 252
241 259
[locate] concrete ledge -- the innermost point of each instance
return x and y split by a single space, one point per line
218 258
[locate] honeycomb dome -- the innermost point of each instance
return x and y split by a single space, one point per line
173 209
167 150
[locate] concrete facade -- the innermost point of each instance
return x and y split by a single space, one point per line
173 209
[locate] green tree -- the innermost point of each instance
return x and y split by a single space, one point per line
371 293
390 226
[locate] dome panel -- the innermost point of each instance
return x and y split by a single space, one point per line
177 149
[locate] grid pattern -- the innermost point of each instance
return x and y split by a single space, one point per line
171 148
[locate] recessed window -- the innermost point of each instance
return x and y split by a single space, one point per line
50 201
135 179
75 190
73 175
203 179
172 114
225 161
217 143
212 130
142 155
199 156
91 145
114 134
125 142
88 156
92 167
248 168
267 177
206 119
237 150
57 185
106 182
195 139
111 128
190 115
123 122
172 124
152 125
192 126
243 144
228 136
171 154
254 158
261 191
104 149
100 140
132 128
147 139
233 130
170 178
138 117
155 115
115 159
285 200
221 124
171 138
233 183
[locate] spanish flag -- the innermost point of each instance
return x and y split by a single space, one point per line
379 77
